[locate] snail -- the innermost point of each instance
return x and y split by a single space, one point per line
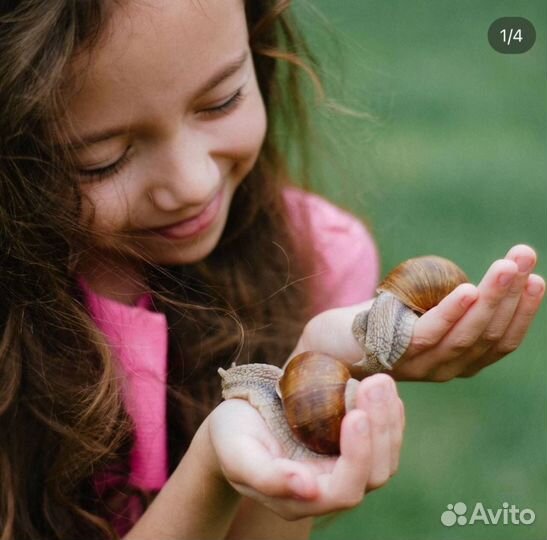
304 403
408 291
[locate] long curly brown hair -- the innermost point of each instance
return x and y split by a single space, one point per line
62 418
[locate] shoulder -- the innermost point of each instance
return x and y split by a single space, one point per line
347 261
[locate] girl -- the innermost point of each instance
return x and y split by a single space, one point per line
150 235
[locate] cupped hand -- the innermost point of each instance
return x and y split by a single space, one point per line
475 326
252 461
471 328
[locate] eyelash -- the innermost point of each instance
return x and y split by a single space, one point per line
111 170
225 107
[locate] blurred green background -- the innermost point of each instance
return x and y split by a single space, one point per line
452 160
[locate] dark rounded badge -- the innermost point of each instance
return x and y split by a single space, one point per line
512 35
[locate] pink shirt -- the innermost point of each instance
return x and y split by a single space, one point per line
348 272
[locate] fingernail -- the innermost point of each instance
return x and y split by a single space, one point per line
361 426
505 279
524 263
534 289
377 393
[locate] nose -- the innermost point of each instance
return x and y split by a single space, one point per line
184 175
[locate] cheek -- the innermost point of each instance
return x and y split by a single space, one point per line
249 130
104 207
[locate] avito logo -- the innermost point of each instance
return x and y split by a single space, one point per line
506 515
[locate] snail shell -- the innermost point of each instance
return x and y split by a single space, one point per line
303 405
409 290
315 394
421 283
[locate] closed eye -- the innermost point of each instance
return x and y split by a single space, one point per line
109 170
227 106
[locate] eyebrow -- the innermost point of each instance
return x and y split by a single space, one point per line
226 72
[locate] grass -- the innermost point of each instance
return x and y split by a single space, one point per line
452 161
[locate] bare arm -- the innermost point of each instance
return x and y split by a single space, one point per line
196 501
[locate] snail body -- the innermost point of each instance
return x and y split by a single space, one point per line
409 290
303 404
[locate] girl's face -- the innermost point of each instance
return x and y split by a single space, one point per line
173 116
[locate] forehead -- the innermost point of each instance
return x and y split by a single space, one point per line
156 47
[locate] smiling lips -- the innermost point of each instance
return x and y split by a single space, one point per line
195 225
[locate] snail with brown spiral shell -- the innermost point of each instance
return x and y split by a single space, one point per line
408 291
303 405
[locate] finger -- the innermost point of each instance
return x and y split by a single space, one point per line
345 486
434 324
525 258
492 289
376 395
396 433
395 415
527 309
348 480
